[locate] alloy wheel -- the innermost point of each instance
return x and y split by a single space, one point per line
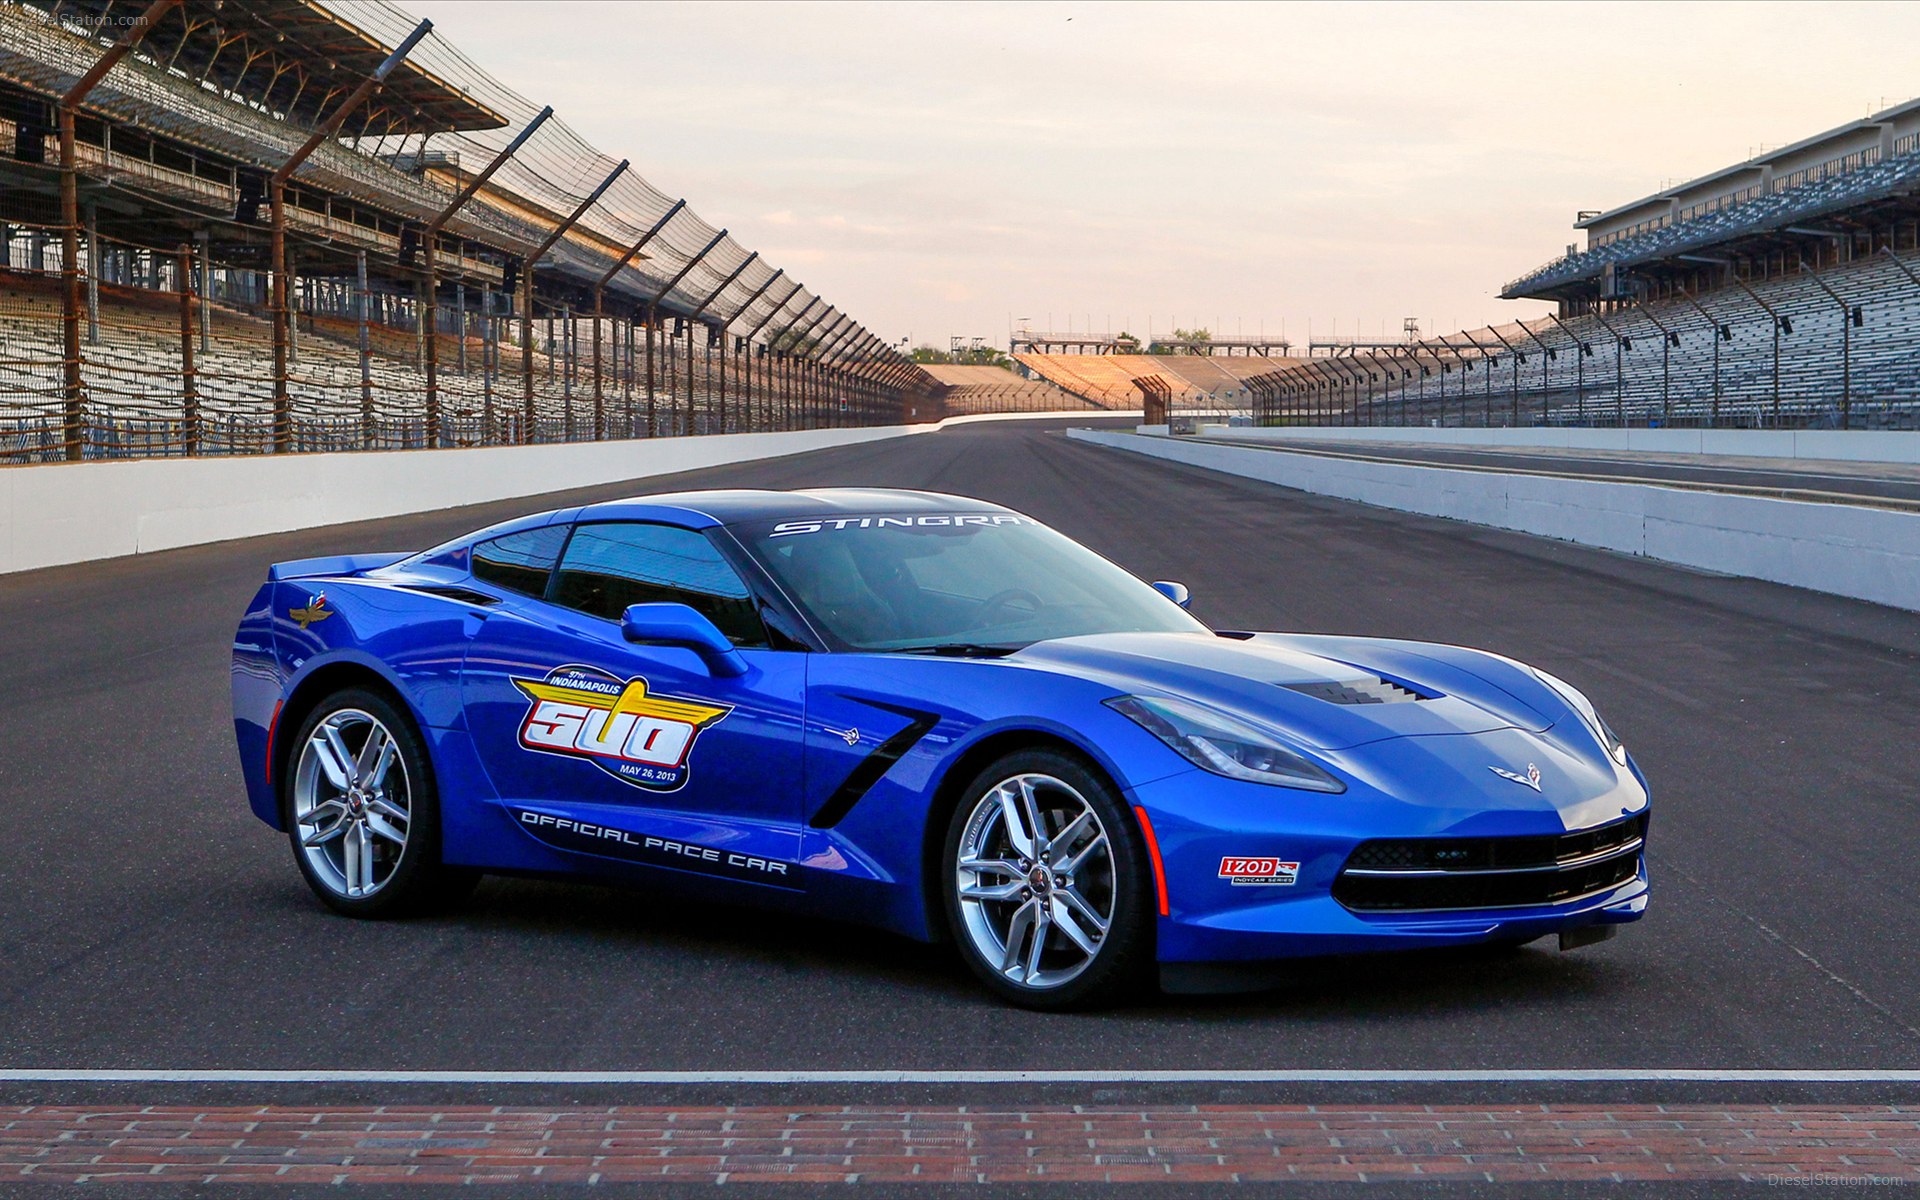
1035 880
352 806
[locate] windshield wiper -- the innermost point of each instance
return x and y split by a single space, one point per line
961 650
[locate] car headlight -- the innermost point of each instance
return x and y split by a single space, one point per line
1224 744
1609 740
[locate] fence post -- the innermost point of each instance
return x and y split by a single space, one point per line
189 384
206 290
93 275
526 354
599 404
74 415
486 364
566 367
366 350
630 330
293 311
653 318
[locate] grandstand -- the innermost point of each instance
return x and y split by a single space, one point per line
964 390
1783 291
1194 383
232 226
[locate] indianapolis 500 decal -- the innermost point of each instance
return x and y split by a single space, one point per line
642 739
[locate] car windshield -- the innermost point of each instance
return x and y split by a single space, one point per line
954 583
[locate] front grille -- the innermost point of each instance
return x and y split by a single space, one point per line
1413 874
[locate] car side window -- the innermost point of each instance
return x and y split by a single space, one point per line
522 562
608 566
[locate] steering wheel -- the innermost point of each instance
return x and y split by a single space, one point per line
999 600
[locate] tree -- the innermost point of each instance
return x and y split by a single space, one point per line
977 356
1181 342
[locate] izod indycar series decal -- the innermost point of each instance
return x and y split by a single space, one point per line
617 725
1270 872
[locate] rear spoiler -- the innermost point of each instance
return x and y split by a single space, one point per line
337 564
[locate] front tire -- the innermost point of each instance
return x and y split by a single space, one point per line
1046 884
362 812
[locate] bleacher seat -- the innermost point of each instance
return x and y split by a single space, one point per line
1650 380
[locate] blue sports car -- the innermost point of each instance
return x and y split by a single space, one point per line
927 713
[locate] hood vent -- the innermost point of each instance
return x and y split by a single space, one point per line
1373 690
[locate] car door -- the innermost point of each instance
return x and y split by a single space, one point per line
639 753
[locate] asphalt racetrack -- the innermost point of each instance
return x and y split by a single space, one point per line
148 921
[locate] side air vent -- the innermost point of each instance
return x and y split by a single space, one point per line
1363 691
463 595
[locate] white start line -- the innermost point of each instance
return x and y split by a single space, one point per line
1304 1075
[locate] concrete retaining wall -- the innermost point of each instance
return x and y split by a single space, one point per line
65 513
1866 553
1898 446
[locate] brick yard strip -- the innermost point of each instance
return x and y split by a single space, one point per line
918 1076
948 1144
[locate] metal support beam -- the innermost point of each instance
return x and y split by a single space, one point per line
773 311
1546 368
599 311
1716 332
430 292
653 321
1621 343
840 332
724 285
600 285
1421 401
73 422
362 319
1513 417
812 380
746 379
526 297
1667 340
1846 345
721 387
479 181
189 377
832 375
1460 357
783 359
1780 326
277 197
795 333
1581 349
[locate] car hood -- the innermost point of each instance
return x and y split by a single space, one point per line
1328 693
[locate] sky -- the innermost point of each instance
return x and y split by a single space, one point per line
959 169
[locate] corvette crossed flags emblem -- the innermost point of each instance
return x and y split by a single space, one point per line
1530 779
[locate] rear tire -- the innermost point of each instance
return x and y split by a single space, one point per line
1054 920
362 812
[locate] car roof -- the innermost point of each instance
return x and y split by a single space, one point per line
732 506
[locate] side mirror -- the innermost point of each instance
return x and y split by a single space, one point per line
682 626
1176 592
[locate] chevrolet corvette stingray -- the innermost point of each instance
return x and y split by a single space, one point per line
927 713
